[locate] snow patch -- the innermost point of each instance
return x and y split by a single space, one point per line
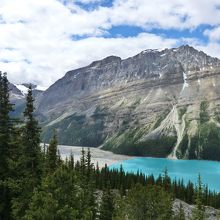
150 51
41 88
164 66
175 50
23 89
185 84
75 75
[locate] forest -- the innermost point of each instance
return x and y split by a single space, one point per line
35 183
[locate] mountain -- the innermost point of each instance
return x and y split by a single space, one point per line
157 103
18 94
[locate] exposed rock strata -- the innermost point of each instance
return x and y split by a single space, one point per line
137 105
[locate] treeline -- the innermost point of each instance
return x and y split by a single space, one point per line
35 183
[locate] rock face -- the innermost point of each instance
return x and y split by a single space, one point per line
157 103
18 96
210 213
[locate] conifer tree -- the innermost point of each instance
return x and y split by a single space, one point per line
58 197
71 161
107 206
6 127
52 157
31 159
31 142
83 162
199 210
89 165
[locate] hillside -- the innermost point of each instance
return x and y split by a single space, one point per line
157 103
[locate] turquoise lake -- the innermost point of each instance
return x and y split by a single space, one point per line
179 169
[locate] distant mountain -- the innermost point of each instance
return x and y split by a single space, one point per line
157 103
18 94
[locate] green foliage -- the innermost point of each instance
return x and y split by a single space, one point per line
158 122
199 210
8 151
52 157
209 141
70 190
31 142
107 205
77 130
204 117
159 147
180 215
160 119
183 146
30 160
205 144
143 203
59 197
181 112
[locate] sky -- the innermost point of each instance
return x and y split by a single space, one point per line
40 40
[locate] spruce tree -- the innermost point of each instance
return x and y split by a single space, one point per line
89 165
71 161
6 126
107 206
31 142
52 157
32 158
199 210
6 146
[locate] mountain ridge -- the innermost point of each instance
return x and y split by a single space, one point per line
151 104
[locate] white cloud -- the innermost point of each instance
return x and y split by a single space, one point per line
213 34
36 35
50 63
90 1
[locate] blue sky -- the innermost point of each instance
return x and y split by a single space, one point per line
41 40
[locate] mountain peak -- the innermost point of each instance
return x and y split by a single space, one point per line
106 60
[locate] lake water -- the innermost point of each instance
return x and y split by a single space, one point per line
179 169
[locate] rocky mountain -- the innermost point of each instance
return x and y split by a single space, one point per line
157 103
18 94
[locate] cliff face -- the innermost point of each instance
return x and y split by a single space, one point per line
157 103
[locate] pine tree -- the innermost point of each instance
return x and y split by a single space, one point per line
107 206
58 197
71 161
83 162
52 157
31 142
6 126
199 210
31 160
7 133
143 203
89 165
166 180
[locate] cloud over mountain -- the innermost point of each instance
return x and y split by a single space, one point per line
41 40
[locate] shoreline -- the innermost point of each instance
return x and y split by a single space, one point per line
98 156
